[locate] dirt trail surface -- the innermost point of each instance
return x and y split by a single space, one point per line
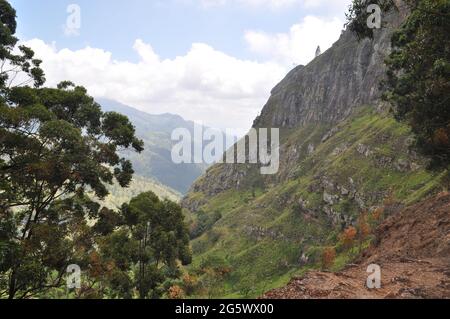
413 250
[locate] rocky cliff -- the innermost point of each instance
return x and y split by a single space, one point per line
325 92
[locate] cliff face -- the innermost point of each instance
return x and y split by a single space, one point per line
324 92
328 88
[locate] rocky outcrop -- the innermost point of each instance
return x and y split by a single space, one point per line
326 91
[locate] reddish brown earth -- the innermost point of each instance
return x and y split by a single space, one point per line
413 250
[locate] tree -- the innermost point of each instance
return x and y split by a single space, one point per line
318 51
418 77
176 292
215 269
145 250
11 62
55 145
357 16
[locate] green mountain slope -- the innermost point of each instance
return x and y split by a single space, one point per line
119 195
278 230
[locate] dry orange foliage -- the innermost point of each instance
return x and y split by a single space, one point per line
348 236
328 257
176 292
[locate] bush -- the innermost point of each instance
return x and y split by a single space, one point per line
204 223
176 292
348 237
328 257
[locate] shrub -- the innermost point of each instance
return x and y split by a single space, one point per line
348 237
328 257
176 292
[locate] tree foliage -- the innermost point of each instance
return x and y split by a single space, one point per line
144 251
418 84
55 145
12 62
348 237
357 16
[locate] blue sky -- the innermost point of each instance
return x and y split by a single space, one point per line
167 41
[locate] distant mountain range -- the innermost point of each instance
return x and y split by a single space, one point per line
155 161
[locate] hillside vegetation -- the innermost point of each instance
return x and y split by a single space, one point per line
413 249
269 234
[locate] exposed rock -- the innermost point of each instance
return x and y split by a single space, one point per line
303 260
339 150
311 149
344 191
359 199
259 233
402 165
364 150
330 199
329 134
327 89
303 204
383 161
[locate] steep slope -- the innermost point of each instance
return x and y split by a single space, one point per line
155 161
119 195
341 153
412 250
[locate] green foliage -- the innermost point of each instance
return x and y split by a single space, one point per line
144 251
203 223
55 145
418 77
14 61
119 195
357 16
214 269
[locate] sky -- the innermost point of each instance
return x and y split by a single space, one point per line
210 61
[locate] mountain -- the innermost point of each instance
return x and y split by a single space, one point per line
119 195
155 161
343 159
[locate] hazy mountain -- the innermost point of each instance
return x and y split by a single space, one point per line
155 161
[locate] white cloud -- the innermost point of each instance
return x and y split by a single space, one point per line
324 5
252 3
204 85
298 46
